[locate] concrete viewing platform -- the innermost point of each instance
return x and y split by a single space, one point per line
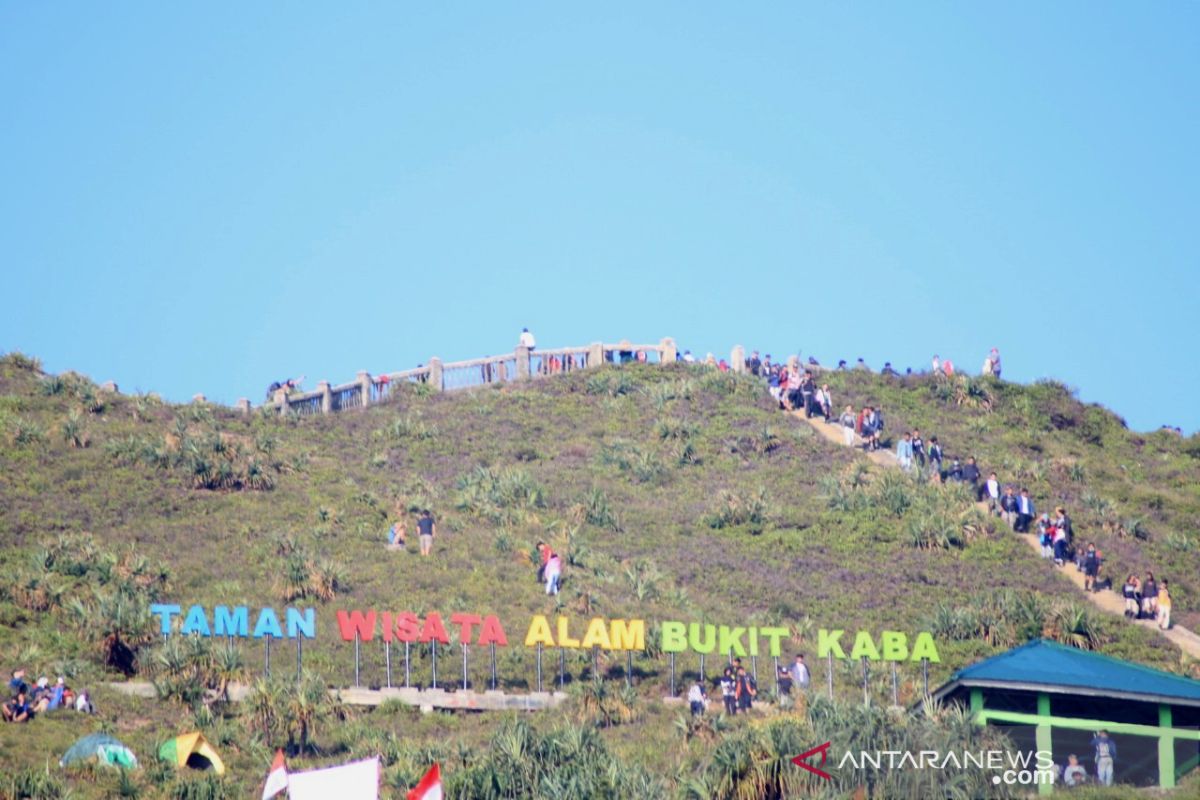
425 699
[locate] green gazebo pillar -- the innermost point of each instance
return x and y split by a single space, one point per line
1042 733
1166 748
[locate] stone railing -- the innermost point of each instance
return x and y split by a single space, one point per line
519 365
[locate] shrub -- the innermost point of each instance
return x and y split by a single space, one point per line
504 496
598 511
74 431
740 509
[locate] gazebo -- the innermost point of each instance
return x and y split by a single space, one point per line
1050 697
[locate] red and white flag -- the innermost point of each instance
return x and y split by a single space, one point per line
277 778
430 787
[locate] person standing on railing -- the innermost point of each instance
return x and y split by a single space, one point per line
526 339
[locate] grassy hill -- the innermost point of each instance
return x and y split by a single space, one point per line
674 493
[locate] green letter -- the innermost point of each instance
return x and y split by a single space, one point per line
730 641
774 634
674 637
827 642
895 646
925 648
706 644
864 645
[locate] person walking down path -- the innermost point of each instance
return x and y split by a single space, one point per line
1150 597
1132 592
1164 606
848 422
904 452
426 530
553 573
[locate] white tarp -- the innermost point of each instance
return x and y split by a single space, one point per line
356 781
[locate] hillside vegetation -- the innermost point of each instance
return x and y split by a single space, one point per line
673 492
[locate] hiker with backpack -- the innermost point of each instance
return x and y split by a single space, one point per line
1091 568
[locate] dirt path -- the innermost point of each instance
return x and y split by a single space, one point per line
1106 600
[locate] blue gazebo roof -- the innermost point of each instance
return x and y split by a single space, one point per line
1042 665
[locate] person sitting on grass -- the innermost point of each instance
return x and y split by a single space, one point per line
1074 774
17 682
17 709
397 535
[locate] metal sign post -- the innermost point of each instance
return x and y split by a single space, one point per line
407 666
464 675
433 646
356 660
492 647
387 660
895 685
562 669
672 685
267 655
925 674
629 668
829 674
866 695
539 667
299 656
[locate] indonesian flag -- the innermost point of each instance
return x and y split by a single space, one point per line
277 778
430 787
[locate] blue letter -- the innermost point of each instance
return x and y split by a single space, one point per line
164 613
268 624
305 625
231 624
196 622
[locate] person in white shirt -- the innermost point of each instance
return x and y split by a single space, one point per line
688 358
553 573
992 491
1074 774
526 339
800 674
697 699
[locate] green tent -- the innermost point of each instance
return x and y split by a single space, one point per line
106 749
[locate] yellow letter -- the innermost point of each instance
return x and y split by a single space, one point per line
564 638
539 632
596 636
628 635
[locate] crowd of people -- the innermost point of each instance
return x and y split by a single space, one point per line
1104 756
26 702
739 688
795 388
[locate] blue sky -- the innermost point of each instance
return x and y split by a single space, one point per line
206 197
